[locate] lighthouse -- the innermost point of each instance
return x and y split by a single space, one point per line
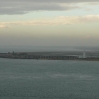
84 54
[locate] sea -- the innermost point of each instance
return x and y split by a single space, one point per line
5 49
48 79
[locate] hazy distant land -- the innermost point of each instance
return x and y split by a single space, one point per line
66 55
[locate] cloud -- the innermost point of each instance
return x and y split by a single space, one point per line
47 1
34 7
4 26
24 6
61 20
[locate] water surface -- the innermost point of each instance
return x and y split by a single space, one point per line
48 79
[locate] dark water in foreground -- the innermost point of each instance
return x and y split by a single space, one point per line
48 79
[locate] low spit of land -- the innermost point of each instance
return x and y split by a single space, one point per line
68 55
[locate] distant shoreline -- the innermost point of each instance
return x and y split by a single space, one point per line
48 56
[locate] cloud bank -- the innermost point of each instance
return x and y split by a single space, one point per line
24 6
3 26
61 20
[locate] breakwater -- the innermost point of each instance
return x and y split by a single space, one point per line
48 56
37 56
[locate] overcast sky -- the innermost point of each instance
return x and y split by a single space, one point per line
49 22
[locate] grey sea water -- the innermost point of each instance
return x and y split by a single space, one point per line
48 79
46 48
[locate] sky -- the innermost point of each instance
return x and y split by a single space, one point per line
49 22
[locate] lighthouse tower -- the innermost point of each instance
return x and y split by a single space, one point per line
84 54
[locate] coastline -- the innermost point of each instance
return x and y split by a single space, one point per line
48 56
